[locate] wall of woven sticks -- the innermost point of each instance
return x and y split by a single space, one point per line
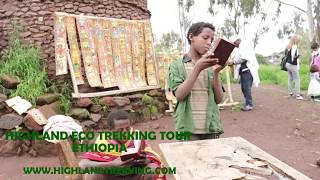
113 52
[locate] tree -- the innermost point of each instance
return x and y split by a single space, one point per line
168 41
309 13
185 19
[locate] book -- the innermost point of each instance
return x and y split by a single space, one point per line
222 50
135 152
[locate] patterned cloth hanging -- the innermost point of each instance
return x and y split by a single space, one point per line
74 48
150 63
60 44
91 65
103 47
114 52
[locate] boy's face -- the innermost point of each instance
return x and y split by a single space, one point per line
122 125
202 42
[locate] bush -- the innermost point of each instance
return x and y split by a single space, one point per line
23 61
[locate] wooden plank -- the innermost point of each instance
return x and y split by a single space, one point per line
95 17
115 92
213 159
73 77
67 158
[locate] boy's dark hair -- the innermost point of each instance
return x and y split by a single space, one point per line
314 68
116 115
196 28
314 45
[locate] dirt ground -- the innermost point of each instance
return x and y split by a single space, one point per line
284 127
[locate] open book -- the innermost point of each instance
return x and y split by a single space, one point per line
135 152
222 50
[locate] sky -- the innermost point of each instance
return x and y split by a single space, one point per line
165 18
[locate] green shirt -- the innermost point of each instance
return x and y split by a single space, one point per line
183 113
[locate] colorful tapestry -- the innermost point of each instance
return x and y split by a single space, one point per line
60 44
115 52
119 53
86 32
150 63
102 41
138 53
74 48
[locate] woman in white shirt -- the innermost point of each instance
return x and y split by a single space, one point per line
293 67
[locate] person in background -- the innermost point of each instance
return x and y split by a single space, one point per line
246 65
315 55
195 82
293 67
314 85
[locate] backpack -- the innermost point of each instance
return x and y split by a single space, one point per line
284 61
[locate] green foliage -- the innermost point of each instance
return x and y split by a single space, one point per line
261 60
146 99
65 99
271 74
169 41
104 108
23 62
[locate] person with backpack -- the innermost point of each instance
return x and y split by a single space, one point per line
314 85
293 66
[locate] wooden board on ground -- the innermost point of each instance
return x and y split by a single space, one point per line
67 158
225 158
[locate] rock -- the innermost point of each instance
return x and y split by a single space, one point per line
24 147
103 123
9 121
108 101
137 105
95 117
47 111
55 107
10 147
86 9
88 124
95 108
44 148
121 101
318 162
47 99
83 102
135 97
35 8
9 82
46 28
127 108
153 93
79 113
2 98
68 6
33 153
34 30
156 126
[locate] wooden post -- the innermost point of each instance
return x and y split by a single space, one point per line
229 100
68 158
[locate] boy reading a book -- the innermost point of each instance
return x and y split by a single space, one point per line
196 85
119 121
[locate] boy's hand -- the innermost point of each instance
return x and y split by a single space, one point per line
206 61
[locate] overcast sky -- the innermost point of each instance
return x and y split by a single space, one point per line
165 18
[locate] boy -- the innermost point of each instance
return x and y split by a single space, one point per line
195 83
118 120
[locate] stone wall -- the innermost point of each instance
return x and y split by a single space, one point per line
36 18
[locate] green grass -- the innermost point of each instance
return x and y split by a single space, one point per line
271 74
23 61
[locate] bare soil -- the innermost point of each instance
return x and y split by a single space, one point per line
284 127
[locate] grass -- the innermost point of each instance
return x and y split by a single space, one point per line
24 62
271 74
